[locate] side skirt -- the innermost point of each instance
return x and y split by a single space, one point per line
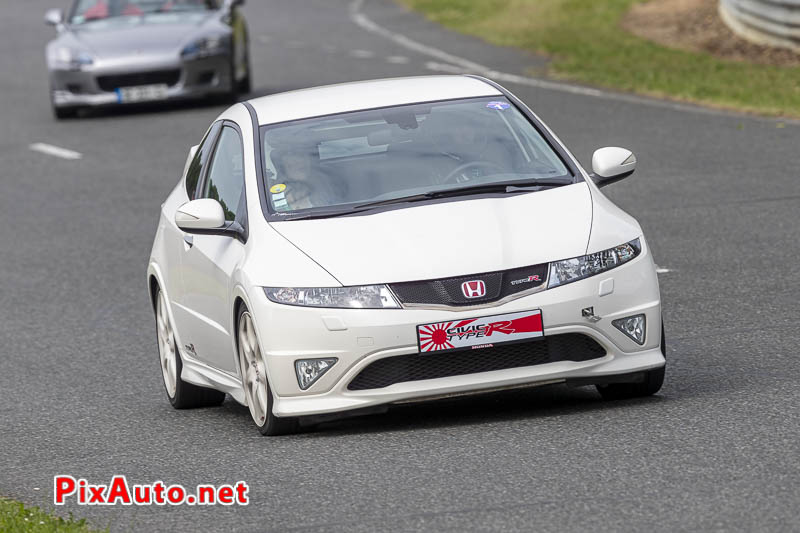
198 373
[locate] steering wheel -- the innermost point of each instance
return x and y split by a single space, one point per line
458 172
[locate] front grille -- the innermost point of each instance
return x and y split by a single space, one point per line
415 367
113 82
447 291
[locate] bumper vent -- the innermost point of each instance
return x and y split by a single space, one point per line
416 367
113 82
448 291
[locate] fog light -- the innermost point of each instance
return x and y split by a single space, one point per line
310 370
632 326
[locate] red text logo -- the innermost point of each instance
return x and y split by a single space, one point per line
119 492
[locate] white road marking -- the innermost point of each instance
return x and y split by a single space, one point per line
295 44
397 60
55 151
444 67
362 54
470 67
329 48
660 270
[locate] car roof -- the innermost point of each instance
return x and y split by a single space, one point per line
355 96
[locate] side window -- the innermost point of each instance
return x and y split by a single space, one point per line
225 180
199 161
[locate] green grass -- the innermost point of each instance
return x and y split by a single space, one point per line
586 43
15 517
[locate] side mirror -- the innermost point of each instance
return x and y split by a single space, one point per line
203 214
54 17
612 164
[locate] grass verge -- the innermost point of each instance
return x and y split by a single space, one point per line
587 44
16 518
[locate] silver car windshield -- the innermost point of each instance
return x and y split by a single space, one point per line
379 156
100 10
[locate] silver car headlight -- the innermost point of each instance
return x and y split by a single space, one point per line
361 297
69 59
577 268
204 47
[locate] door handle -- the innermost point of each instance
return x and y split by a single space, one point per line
189 240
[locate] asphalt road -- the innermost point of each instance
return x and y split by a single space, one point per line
718 196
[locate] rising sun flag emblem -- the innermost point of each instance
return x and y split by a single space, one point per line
434 336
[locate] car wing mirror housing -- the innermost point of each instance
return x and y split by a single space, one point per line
612 164
203 215
54 17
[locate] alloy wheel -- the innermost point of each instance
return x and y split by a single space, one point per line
254 376
166 346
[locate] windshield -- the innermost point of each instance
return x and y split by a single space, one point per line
350 160
95 10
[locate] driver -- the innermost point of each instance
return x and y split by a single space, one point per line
97 11
467 144
461 140
106 8
306 185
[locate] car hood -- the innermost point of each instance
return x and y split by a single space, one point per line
137 40
447 239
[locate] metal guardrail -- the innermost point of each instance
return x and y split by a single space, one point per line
769 22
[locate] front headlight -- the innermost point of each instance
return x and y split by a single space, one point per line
363 297
69 59
204 47
577 268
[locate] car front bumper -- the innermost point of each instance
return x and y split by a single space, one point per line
195 78
358 338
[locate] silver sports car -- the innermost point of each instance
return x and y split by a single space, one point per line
124 51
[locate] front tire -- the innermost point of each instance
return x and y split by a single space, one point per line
651 384
181 395
256 387
245 85
63 113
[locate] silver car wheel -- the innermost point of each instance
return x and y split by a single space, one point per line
166 346
254 376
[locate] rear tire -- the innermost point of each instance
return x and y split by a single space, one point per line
651 384
181 395
255 384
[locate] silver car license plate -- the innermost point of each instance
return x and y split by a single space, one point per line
142 93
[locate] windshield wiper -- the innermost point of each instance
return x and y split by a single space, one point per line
505 187
321 214
360 208
500 187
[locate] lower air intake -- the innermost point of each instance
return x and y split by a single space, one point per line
111 83
416 367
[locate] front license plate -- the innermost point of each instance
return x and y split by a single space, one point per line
142 93
483 332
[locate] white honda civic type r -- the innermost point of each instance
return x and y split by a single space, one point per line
339 249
